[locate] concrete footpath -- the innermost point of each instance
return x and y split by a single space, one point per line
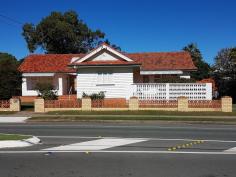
11 119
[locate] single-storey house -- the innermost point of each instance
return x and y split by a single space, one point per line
103 69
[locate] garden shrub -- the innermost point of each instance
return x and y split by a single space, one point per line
94 96
46 91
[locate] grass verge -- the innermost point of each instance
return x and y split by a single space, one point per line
6 112
4 137
128 118
166 113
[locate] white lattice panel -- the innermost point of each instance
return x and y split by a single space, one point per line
171 91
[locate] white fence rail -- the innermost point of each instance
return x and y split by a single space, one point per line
171 91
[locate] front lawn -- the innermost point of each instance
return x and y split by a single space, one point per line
12 137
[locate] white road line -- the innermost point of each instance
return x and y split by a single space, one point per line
231 150
96 144
133 152
154 139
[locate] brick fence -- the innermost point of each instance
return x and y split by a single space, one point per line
10 105
133 104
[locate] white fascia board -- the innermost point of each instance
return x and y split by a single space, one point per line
161 72
109 66
74 59
99 49
37 74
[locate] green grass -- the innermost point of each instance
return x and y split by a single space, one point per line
234 107
131 118
165 113
6 112
12 137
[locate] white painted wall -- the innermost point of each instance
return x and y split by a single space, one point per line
59 82
25 90
185 77
119 87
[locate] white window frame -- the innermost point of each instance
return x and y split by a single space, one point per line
105 78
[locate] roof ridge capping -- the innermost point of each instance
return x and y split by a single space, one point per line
170 52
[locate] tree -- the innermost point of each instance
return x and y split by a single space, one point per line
203 67
10 77
224 72
61 33
225 63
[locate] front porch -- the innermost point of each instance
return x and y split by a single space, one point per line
63 83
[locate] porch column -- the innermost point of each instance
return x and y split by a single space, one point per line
24 86
60 86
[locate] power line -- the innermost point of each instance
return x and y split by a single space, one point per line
5 22
11 19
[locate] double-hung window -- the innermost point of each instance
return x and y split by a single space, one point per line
104 78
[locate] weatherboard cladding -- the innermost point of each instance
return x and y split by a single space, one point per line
151 61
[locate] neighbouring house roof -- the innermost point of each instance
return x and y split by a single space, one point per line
209 80
152 61
163 61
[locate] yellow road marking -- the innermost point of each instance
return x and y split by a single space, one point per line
185 145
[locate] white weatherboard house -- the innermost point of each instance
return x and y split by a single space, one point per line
117 74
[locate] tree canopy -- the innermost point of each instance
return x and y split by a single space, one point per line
225 63
61 33
224 72
10 77
203 67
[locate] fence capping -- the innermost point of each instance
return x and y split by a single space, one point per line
133 97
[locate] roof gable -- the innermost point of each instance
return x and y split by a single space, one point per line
104 53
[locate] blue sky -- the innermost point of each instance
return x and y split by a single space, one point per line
134 25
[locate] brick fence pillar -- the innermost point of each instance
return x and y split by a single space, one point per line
39 105
86 104
14 104
183 104
133 103
226 104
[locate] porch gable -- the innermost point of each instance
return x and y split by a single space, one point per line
104 53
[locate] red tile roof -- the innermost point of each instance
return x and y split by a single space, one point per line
48 63
149 62
163 61
102 63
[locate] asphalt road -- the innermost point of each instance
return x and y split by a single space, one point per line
157 149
